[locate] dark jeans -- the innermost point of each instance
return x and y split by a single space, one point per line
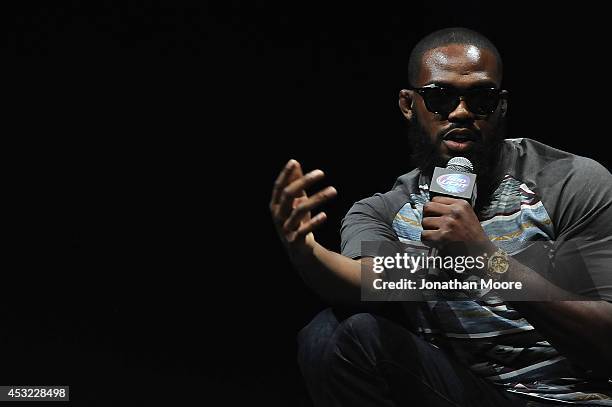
366 360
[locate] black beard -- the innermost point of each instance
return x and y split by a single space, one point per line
484 156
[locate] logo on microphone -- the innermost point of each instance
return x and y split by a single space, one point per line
455 183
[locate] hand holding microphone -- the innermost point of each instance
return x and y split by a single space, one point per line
449 216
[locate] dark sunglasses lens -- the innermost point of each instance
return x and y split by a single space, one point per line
483 101
441 101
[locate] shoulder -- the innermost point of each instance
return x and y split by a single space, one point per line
576 191
544 166
385 205
535 152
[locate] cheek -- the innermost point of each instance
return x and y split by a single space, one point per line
489 128
428 123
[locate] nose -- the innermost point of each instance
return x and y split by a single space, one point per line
461 113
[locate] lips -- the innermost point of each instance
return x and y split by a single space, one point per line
461 136
460 140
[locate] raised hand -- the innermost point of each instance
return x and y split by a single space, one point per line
291 207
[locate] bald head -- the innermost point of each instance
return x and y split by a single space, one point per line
459 64
432 49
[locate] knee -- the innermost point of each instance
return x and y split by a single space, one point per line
314 338
326 337
320 357
361 327
325 331
357 338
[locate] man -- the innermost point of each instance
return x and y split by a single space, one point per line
460 353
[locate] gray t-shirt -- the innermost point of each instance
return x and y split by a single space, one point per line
541 194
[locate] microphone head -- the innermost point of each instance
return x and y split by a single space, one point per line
460 164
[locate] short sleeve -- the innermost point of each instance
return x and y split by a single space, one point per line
584 239
368 220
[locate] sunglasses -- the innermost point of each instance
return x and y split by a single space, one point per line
443 100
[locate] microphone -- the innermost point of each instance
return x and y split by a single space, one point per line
457 180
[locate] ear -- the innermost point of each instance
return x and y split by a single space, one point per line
503 107
406 97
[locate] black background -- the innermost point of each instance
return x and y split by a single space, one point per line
140 154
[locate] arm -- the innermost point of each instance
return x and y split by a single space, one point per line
333 276
582 330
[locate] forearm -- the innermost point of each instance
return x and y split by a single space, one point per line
333 276
580 329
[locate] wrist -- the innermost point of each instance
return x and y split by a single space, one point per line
302 252
497 265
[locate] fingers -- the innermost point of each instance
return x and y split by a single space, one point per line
447 220
447 200
432 223
436 209
296 189
430 237
291 206
435 215
304 207
283 179
444 206
310 226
